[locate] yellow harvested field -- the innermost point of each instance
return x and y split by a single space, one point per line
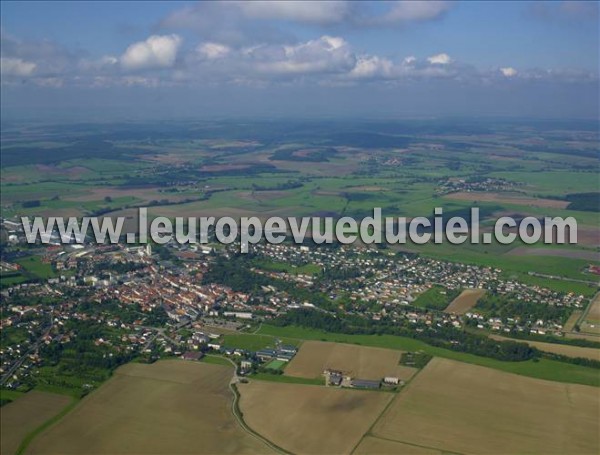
583 336
371 445
465 301
570 324
357 361
306 419
459 407
25 414
594 312
590 328
562 349
167 407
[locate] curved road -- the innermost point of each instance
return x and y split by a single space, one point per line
234 408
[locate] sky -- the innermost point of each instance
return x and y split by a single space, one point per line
408 59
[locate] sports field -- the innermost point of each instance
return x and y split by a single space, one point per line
167 407
25 414
306 419
357 361
465 301
456 407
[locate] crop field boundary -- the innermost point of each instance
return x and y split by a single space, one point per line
46 425
387 406
588 308
235 410
239 415
442 451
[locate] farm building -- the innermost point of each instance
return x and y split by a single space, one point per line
335 379
191 355
391 380
288 349
284 356
266 354
365 384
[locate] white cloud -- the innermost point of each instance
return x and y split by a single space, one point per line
103 63
318 12
327 60
415 11
16 67
213 51
369 67
158 51
245 21
508 71
439 59
326 54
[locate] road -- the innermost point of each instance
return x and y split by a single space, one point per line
34 347
237 414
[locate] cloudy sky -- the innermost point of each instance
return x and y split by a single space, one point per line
288 58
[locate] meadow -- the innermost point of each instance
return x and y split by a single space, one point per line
252 342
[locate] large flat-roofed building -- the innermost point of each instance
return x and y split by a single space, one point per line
365 384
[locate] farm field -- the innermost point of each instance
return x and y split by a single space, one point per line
543 369
25 414
593 313
465 301
558 252
358 361
464 408
507 198
371 445
555 348
168 407
305 419
570 324
255 170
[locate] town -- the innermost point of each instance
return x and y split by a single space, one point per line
123 302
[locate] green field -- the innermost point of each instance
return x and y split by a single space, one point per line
7 395
276 365
351 182
252 342
33 266
287 379
306 269
216 360
435 298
